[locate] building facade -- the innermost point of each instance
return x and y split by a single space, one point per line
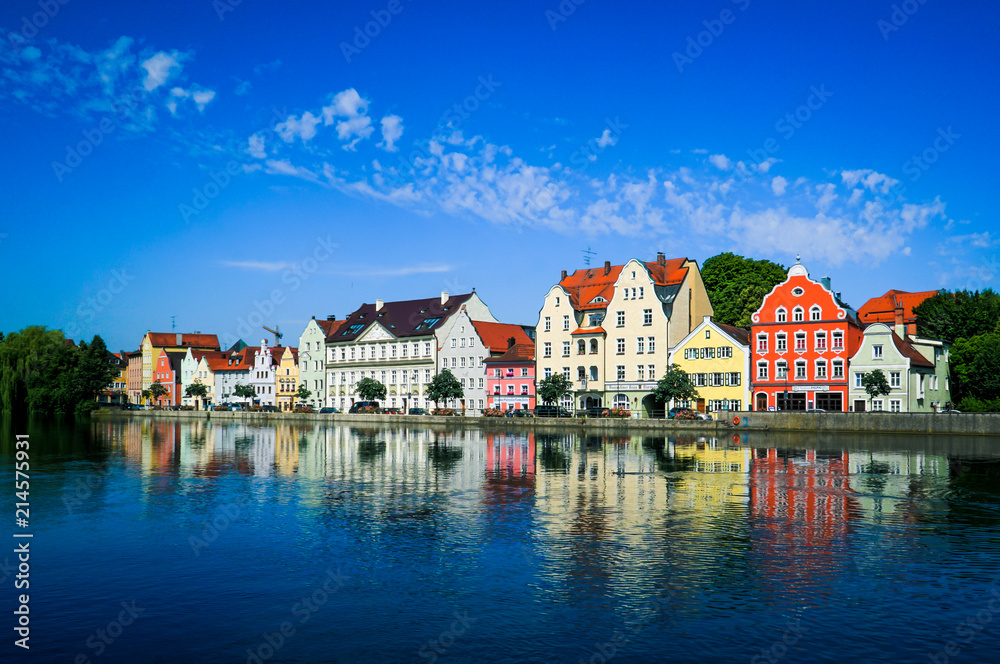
717 358
234 370
312 358
262 374
286 377
803 337
397 344
609 330
133 378
916 370
167 372
510 379
154 342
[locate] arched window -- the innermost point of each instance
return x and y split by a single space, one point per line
621 400
593 373
781 315
581 347
798 314
593 346
814 313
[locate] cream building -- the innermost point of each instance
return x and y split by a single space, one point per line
609 329
312 358
717 358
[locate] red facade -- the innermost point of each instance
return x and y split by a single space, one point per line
802 339
510 379
167 370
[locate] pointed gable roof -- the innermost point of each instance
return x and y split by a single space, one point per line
329 327
406 318
496 336
593 288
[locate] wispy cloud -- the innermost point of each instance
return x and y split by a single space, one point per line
262 266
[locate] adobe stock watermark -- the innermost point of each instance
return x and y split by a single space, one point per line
791 122
565 9
97 303
696 44
381 18
970 629
37 21
900 14
102 639
303 608
442 643
93 137
294 276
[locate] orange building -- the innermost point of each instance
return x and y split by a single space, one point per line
895 309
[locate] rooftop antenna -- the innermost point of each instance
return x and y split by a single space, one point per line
587 253
173 323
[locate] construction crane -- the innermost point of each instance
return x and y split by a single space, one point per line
276 332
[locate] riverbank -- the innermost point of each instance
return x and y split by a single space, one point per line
974 424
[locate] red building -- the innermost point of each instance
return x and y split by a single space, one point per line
802 339
895 309
510 378
167 371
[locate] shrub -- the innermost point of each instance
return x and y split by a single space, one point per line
304 409
616 412
974 405
685 415
444 411
493 412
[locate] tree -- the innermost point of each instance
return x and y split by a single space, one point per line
736 286
146 395
674 385
197 389
157 390
875 383
245 392
552 389
370 389
960 315
444 386
303 393
975 367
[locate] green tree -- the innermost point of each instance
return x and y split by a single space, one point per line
146 395
736 285
975 367
875 383
157 390
963 314
245 392
674 385
370 389
303 393
197 389
552 389
444 386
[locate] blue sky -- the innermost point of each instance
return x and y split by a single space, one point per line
199 159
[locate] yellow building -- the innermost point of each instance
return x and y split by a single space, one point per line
286 378
717 357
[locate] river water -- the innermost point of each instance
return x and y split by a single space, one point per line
163 541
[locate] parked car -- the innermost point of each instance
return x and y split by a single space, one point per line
418 411
392 411
519 412
950 410
362 406
551 411
327 410
270 409
815 410
703 416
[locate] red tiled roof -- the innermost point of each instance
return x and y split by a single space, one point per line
882 309
740 334
583 286
329 327
278 353
588 330
496 336
242 360
169 340
907 350
518 353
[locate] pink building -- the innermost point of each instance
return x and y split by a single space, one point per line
510 378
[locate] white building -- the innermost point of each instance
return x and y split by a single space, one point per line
312 357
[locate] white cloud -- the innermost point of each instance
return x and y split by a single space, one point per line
303 128
765 166
720 161
264 266
255 146
160 68
392 131
778 185
202 98
869 179
606 139
353 107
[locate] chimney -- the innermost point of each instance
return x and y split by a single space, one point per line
378 305
563 277
826 282
444 297
660 258
180 339
899 324
510 342
332 317
607 268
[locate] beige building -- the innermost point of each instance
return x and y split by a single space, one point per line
609 329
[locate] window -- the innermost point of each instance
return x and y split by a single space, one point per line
427 349
595 319
454 362
548 372
462 345
548 324
581 347
780 342
565 373
821 341
838 368
392 351
894 379
647 316
733 379
352 352
716 379
524 372
800 341
593 373
877 405
640 372
761 343
547 349
780 370
838 340
781 315
403 347
798 314
565 348
524 388
687 353
620 372
814 313
651 370
454 343
820 369
510 389
800 370
625 293
472 344
463 362
877 351
725 352
620 318
557 300
641 291
894 405
593 346
620 346
427 375
650 344
640 344
858 377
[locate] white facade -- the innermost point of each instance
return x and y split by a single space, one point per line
462 353
312 363
262 375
